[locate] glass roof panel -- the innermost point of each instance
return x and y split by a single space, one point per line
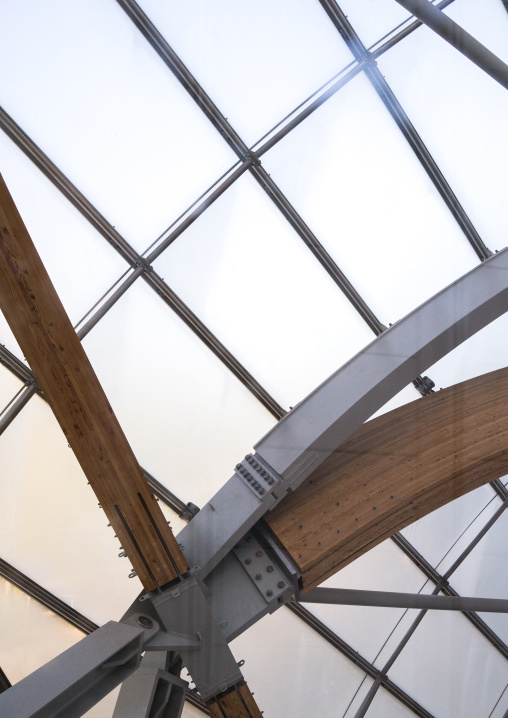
292 670
483 573
247 275
51 528
189 406
79 261
31 634
384 568
257 61
434 534
109 113
363 192
385 705
460 111
445 639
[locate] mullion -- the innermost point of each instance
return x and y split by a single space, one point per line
205 103
403 122
139 264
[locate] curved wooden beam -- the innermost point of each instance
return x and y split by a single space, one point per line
394 470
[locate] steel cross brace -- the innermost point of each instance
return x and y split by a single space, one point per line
309 433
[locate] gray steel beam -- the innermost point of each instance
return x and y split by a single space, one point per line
397 112
141 266
353 597
20 400
78 678
453 33
186 79
330 414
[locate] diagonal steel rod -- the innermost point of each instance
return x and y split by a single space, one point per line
461 40
392 599
397 112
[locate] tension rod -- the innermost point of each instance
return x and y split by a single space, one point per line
353 597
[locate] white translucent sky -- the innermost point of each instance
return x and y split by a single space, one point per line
88 89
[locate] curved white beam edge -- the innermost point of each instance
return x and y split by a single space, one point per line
317 426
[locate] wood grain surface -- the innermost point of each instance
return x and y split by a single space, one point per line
236 702
394 470
40 324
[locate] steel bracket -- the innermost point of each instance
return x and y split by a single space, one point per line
264 573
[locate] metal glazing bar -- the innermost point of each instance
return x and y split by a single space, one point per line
500 489
141 265
416 143
395 37
453 33
362 663
187 80
352 597
434 576
33 589
17 367
11 412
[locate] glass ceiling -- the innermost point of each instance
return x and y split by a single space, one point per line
263 274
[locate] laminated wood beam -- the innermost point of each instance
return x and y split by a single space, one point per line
394 470
45 334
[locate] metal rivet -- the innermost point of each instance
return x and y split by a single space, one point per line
269 569
259 553
373 508
338 503
391 497
269 593
281 584
356 519
319 543
338 531
247 561
300 527
299 555
258 577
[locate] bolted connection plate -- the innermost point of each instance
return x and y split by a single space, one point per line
258 477
264 573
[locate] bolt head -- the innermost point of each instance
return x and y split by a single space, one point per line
269 569
145 622
259 553
281 584
269 593
247 561
258 577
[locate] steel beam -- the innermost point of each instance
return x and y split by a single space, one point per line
16 405
352 597
403 122
453 33
331 413
152 691
78 678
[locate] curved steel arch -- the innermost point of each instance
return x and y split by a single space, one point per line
308 434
